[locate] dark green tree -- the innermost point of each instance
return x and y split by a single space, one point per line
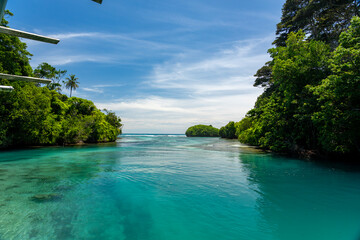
338 119
33 115
228 131
314 100
264 75
281 119
320 19
45 70
14 58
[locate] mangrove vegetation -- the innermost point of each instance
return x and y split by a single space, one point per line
42 115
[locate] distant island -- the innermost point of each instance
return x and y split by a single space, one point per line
202 131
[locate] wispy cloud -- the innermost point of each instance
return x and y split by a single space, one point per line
65 36
226 69
100 47
100 88
210 88
118 38
96 90
65 59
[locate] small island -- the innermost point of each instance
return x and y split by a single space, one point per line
202 131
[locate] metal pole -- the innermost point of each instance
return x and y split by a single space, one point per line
32 36
2 8
6 88
24 78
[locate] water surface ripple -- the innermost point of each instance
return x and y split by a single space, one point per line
168 187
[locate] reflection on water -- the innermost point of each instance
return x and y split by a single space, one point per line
303 200
172 187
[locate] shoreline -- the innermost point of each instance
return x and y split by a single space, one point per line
11 148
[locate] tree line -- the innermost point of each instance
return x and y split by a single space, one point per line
42 115
311 99
45 70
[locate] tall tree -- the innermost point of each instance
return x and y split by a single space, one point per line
14 57
338 119
45 70
72 83
322 20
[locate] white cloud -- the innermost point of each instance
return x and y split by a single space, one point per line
96 90
65 36
170 115
116 38
226 69
64 59
98 47
209 88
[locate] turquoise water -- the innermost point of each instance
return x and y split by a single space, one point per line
174 188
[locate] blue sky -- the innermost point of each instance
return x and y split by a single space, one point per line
161 65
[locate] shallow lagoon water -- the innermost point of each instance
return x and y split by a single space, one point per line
163 187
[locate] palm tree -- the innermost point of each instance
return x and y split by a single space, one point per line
71 83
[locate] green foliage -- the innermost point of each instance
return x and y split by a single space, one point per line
14 58
4 22
312 84
202 131
264 75
112 119
228 131
282 119
313 100
45 70
321 19
33 115
243 131
338 119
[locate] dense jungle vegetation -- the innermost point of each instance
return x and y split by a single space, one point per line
202 131
41 115
311 98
